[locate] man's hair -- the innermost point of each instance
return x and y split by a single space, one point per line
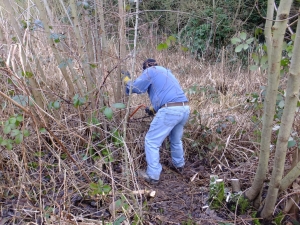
149 63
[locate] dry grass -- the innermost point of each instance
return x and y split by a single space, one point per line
38 176
40 182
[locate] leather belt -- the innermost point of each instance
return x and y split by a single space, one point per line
170 104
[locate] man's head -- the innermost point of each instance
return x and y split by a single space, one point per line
148 63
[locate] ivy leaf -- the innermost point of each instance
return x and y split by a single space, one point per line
108 113
239 48
119 105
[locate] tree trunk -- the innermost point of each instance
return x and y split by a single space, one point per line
269 109
53 47
287 118
26 68
122 49
80 39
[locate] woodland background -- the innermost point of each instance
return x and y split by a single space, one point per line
71 141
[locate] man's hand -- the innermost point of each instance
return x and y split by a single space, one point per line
125 76
150 111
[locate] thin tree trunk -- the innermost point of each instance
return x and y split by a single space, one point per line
122 49
57 55
294 73
269 110
287 118
83 54
102 28
26 69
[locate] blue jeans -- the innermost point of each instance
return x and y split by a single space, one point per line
167 121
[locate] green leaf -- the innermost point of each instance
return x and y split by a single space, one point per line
26 133
93 65
255 58
264 66
284 62
43 130
284 45
293 37
94 186
184 49
9 146
168 42
12 120
119 220
291 143
250 40
108 113
243 36
22 100
119 105
15 132
263 59
265 48
235 40
106 189
19 138
162 46
246 46
239 48
253 67
6 129
281 104
27 74
172 38
3 142
19 118
56 105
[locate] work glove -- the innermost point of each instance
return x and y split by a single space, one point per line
125 76
150 111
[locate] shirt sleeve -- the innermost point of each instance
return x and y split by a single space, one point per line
139 86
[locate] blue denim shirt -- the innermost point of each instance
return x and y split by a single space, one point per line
161 85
